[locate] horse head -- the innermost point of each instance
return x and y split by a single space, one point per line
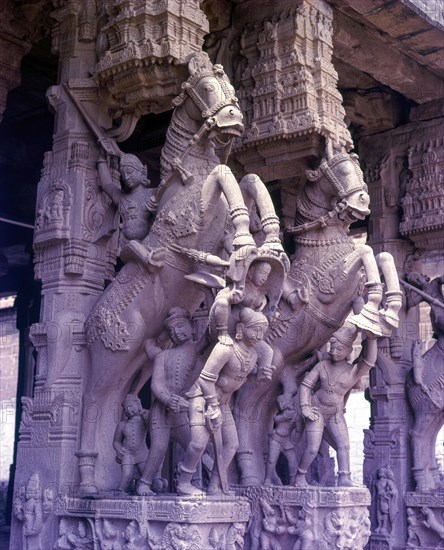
210 102
341 181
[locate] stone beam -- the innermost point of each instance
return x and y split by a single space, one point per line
417 26
379 57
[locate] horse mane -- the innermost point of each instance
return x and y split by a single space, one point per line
177 139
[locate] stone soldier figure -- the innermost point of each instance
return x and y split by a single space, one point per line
130 441
224 372
324 408
174 372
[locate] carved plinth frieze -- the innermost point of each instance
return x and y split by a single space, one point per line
425 519
317 517
161 522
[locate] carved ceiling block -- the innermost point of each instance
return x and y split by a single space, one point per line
423 204
141 47
288 87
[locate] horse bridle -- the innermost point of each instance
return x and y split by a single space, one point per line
207 112
326 169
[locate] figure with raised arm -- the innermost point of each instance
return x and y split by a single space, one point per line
131 197
323 408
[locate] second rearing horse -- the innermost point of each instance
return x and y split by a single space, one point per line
328 276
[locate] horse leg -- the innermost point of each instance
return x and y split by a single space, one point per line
222 177
254 191
393 294
369 317
421 436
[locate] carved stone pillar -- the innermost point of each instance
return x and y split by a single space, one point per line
114 65
287 87
402 168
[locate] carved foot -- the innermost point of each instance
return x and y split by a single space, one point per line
301 480
250 481
144 488
216 489
185 488
88 490
344 480
393 305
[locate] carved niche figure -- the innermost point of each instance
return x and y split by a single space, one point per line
432 522
386 501
425 383
132 198
288 424
175 370
225 370
287 420
69 539
323 408
130 441
28 509
273 525
134 536
303 529
412 529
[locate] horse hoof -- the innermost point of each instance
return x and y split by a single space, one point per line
188 490
88 490
367 321
390 318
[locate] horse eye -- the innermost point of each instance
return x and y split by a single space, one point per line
231 112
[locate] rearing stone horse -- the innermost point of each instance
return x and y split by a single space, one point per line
328 276
197 198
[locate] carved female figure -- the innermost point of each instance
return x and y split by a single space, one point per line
386 495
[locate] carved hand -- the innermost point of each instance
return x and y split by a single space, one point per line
214 417
293 300
265 373
178 404
108 146
312 413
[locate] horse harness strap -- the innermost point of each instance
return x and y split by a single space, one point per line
320 222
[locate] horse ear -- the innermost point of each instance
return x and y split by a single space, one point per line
198 62
313 175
